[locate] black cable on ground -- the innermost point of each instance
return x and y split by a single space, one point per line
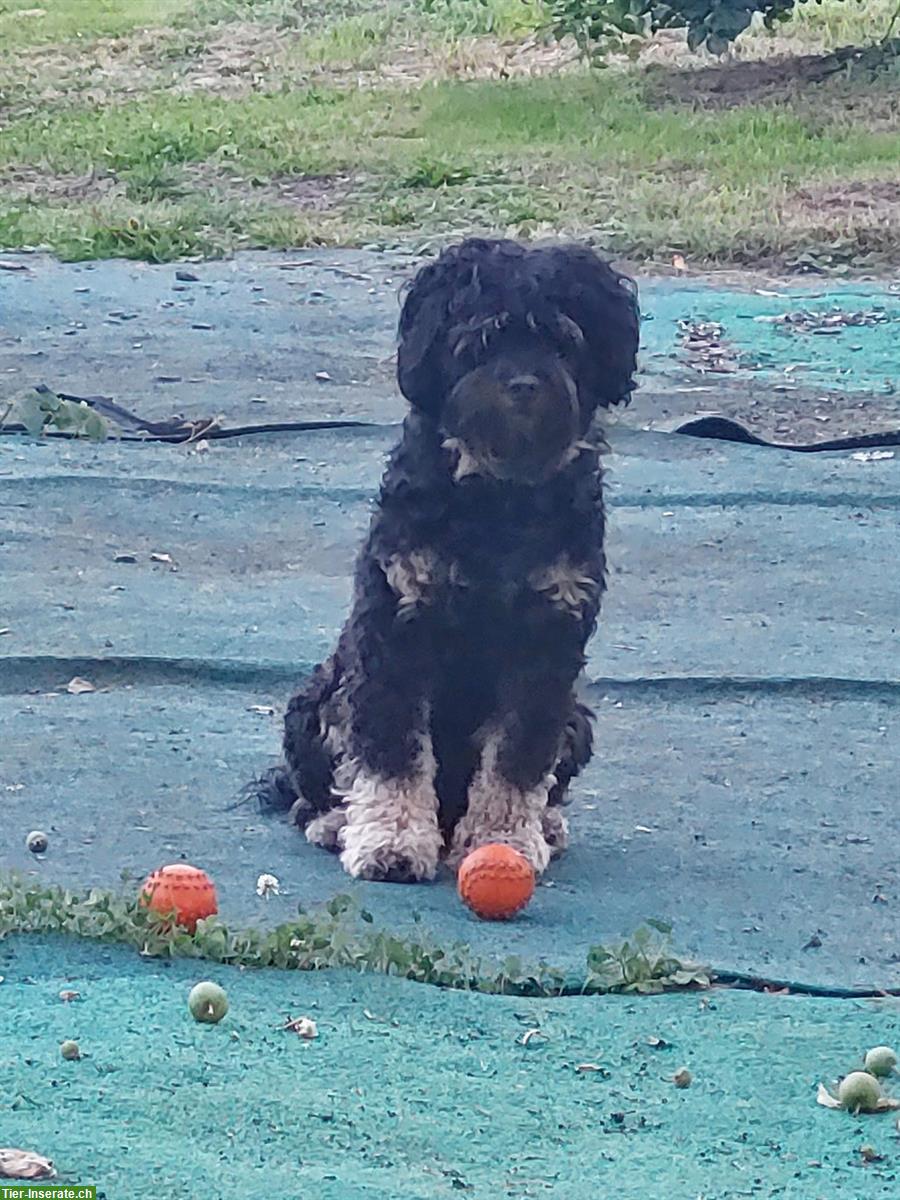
177 430
754 983
723 429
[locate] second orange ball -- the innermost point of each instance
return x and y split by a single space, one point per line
180 888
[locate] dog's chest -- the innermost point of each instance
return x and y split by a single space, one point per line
494 548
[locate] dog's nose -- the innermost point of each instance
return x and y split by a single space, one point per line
523 387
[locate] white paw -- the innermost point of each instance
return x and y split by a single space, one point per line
528 839
391 831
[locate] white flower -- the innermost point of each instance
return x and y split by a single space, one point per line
267 885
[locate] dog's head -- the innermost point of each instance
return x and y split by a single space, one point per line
512 349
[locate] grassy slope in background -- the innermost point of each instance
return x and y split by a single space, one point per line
232 124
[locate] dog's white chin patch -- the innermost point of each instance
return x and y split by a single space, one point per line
466 461
390 827
498 811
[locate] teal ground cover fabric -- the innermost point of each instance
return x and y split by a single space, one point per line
745 676
411 1093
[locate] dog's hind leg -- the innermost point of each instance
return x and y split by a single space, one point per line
303 783
274 791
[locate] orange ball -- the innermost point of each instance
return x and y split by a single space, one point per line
495 881
180 888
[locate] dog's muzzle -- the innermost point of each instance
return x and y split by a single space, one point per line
519 428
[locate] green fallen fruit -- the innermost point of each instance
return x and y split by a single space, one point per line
859 1092
880 1061
209 1004
70 1051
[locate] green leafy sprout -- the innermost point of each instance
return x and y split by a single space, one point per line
39 412
340 935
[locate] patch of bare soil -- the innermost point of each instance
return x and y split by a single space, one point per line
798 416
874 201
233 61
468 58
306 193
737 83
33 183
839 222
239 58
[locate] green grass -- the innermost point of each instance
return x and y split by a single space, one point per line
836 23
590 153
32 22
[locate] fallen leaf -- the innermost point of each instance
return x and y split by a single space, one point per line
76 686
264 710
304 1027
67 996
162 558
24 1164
683 1078
825 1098
870 1154
586 1068
529 1035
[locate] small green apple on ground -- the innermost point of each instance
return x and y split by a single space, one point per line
208 1003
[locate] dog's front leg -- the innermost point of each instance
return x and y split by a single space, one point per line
391 829
507 798
503 809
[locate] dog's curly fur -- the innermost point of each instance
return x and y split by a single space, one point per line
446 717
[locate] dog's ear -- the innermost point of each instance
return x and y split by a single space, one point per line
454 292
423 328
603 304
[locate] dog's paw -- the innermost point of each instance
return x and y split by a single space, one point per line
385 858
555 829
391 831
528 839
327 828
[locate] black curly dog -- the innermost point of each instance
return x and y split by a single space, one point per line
447 717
